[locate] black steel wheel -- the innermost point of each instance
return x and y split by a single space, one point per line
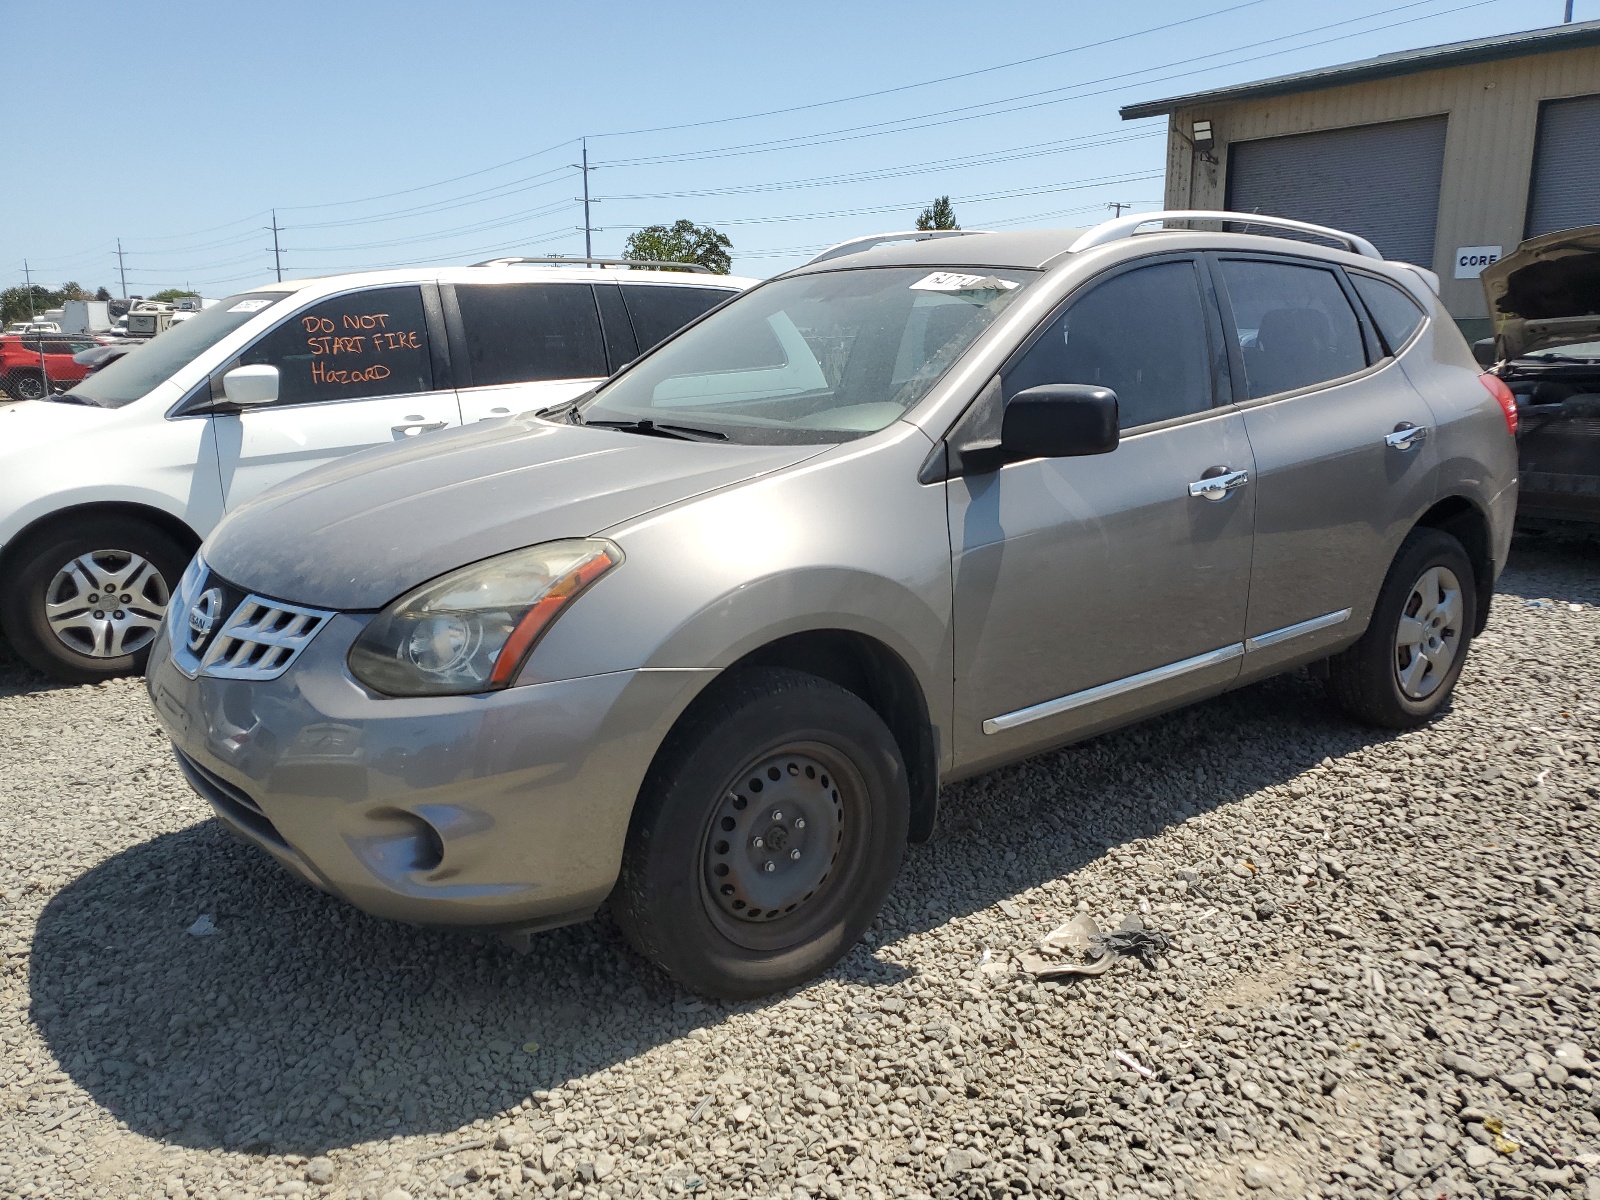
766 836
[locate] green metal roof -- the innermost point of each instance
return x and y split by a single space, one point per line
1387 66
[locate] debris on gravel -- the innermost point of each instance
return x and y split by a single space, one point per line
1383 980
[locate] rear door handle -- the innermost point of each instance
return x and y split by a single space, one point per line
1217 486
414 425
1406 436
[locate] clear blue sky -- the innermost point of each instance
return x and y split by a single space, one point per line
176 128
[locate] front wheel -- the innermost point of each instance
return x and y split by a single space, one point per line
1406 665
766 836
25 385
86 599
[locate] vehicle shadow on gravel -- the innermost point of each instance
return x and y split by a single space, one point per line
301 1025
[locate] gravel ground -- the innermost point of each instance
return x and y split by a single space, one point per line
1384 979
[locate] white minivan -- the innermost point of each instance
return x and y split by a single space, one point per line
106 491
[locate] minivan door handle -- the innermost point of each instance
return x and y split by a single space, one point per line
414 425
1406 436
1217 482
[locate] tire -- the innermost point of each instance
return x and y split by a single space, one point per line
25 385
736 917
62 565
1390 680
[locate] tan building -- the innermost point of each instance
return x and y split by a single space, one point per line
1447 156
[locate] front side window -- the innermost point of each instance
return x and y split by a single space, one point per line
658 310
1142 334
812 358
1296 328
525 332
1394 313
371 343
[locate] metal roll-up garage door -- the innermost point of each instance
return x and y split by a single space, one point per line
1381 181
1565 192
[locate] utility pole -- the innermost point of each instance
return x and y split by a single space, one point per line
44 370
1117 206
122 269
1567 20
588 229
277 254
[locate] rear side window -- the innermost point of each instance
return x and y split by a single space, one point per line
1394 313
1142 334
525 332
660 310
1296 328
372 343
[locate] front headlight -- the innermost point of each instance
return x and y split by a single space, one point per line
471 630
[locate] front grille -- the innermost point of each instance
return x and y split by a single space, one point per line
232 802
261 639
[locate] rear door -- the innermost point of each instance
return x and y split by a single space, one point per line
1345 453
659 310
354 371
524 345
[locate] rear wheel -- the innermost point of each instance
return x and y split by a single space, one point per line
1406 665
86 600
766 837
25 385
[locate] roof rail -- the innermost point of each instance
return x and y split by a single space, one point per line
1125 227
558 260
856 245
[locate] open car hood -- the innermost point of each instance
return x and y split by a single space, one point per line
1546 292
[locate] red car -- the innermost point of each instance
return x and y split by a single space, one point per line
20 374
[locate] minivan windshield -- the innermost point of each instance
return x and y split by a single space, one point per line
810 358
135 373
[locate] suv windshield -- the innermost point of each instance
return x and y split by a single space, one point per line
135 373
811 358
1583 352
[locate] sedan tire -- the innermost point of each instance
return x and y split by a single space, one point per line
84 600
766 836
1405 666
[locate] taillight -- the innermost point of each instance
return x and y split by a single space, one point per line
1503 397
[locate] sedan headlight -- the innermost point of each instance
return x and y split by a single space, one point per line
471 630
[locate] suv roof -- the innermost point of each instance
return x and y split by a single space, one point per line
576 272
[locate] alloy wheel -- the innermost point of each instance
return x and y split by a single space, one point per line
1428 637
106 603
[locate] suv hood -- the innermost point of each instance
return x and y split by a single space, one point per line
31 423
359 532
1546 292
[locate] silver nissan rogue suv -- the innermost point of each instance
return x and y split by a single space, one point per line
707 640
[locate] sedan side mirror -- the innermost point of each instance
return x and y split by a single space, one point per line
1483 351
1059 420
252 386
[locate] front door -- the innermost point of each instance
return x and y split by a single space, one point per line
354 371
1346 456
1091 589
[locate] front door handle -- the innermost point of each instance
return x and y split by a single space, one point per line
1217 483
414 425
1406 436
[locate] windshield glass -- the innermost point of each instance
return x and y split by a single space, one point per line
142 368
813 358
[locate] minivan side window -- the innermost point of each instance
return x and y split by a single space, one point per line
527 332
1394 313
1296 328
1142 334
371 343
660 310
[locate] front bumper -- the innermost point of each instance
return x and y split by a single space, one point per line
504 810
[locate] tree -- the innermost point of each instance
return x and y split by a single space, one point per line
102 293
71 291
171 295
684 242
14 305
940 216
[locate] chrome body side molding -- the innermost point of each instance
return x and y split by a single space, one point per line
1117 687
1299 629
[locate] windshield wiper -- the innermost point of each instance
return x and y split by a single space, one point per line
684 433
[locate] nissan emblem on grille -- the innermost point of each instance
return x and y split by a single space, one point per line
203 616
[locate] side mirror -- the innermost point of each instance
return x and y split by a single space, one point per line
252 386
1059 420
1483 351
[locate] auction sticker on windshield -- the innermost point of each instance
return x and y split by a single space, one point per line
250 306
951 281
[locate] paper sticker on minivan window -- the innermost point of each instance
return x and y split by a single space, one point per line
951 281
250 306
